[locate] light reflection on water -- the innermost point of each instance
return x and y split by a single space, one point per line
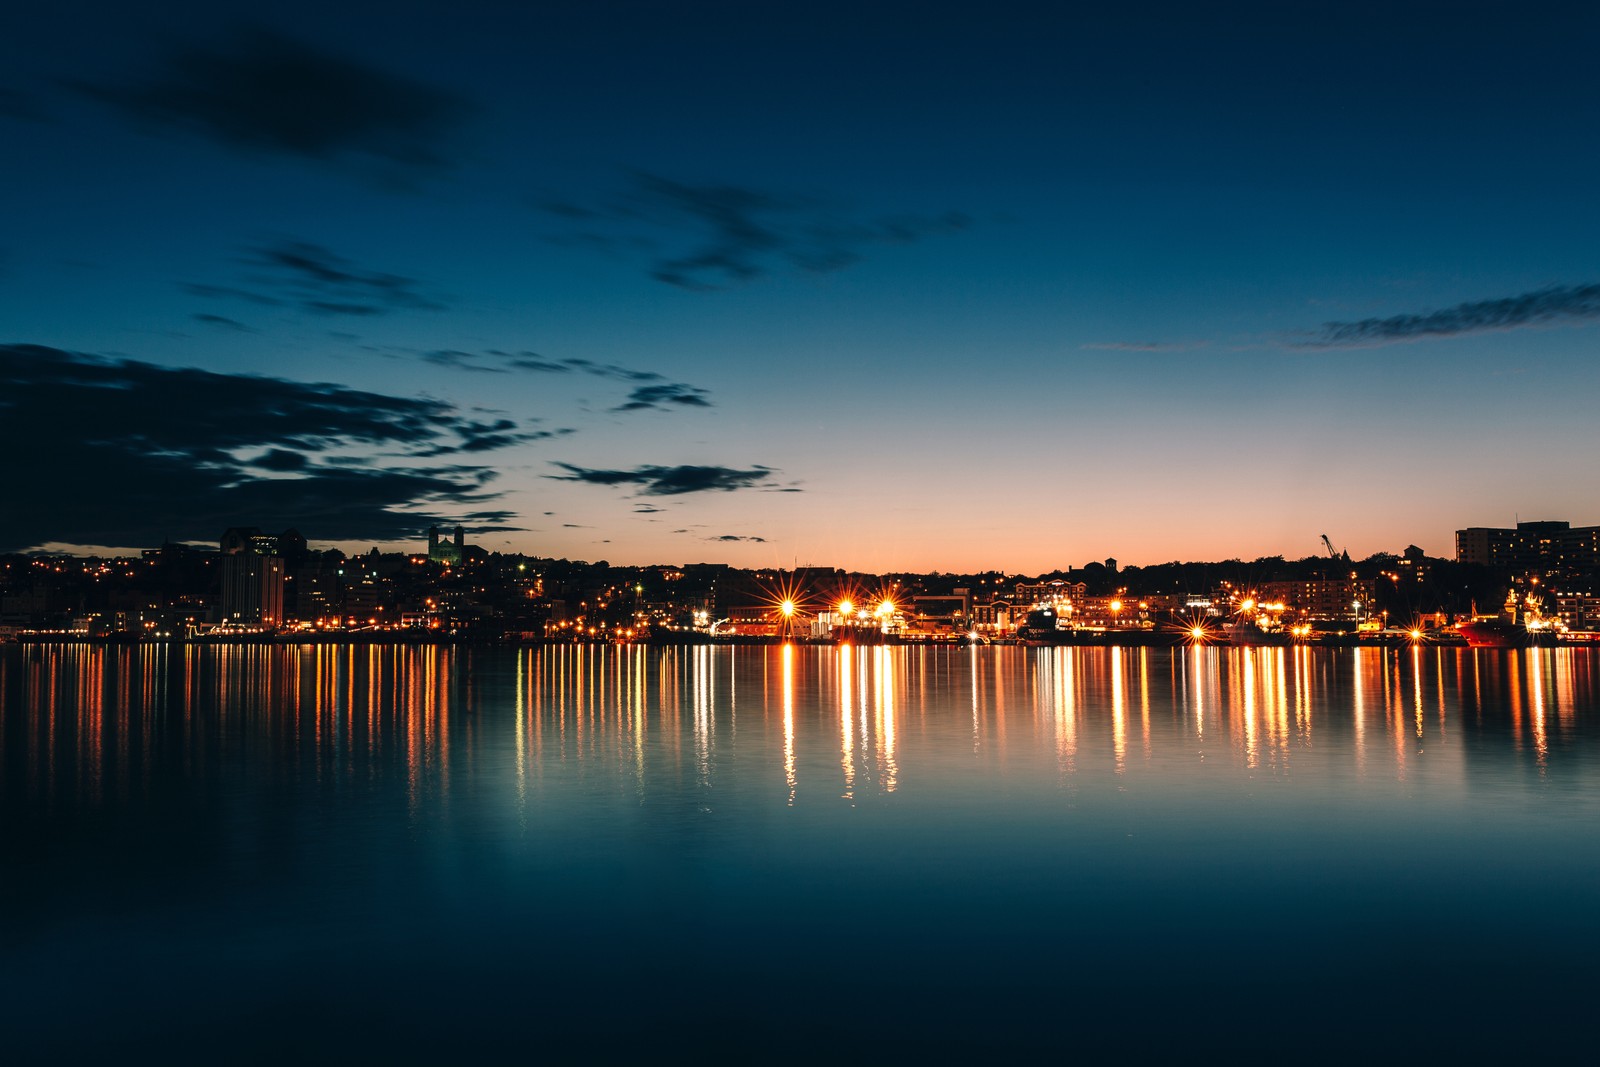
713 816
87 725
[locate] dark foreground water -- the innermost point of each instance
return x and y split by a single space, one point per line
798 854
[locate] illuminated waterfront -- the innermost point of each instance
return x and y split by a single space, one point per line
910 850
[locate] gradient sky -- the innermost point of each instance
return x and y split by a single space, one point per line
904 288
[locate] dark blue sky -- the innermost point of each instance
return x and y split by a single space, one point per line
891 288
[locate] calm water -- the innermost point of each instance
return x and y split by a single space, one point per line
798 853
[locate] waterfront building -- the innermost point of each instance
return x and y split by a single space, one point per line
252 578
1578 611
1057 593
1338 598
947 612
1531 547
993 617
1114 612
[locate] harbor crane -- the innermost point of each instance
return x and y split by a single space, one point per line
1334 553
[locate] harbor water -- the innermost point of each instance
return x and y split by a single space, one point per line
797 853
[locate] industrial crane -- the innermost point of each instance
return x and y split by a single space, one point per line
1334 553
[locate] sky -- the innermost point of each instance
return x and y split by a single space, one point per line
884 287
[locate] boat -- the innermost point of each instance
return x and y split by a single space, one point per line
1248 634
1518 626
1495 633
1042 628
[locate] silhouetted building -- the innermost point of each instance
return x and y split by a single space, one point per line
440 551
252 578
292 546
1533 547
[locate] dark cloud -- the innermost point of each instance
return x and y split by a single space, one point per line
671 481
266 92
281 460
1554 304
727 234
648 509
489 436
658 397
736 537
223 321
139 453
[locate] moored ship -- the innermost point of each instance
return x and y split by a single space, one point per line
1519 626
1495 633
1043 627
1250 634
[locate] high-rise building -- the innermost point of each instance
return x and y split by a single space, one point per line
1531 548
252 578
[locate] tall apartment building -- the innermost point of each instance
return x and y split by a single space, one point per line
252 578
1338 598
1531 547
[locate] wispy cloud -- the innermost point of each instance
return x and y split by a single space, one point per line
314 279
1555 304
658 397
652 480
221 321
737 537
654 393
478 436
247 448
229 292
1141 346
709 236
501 361
266 92
323 281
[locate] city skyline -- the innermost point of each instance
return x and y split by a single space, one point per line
888 290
